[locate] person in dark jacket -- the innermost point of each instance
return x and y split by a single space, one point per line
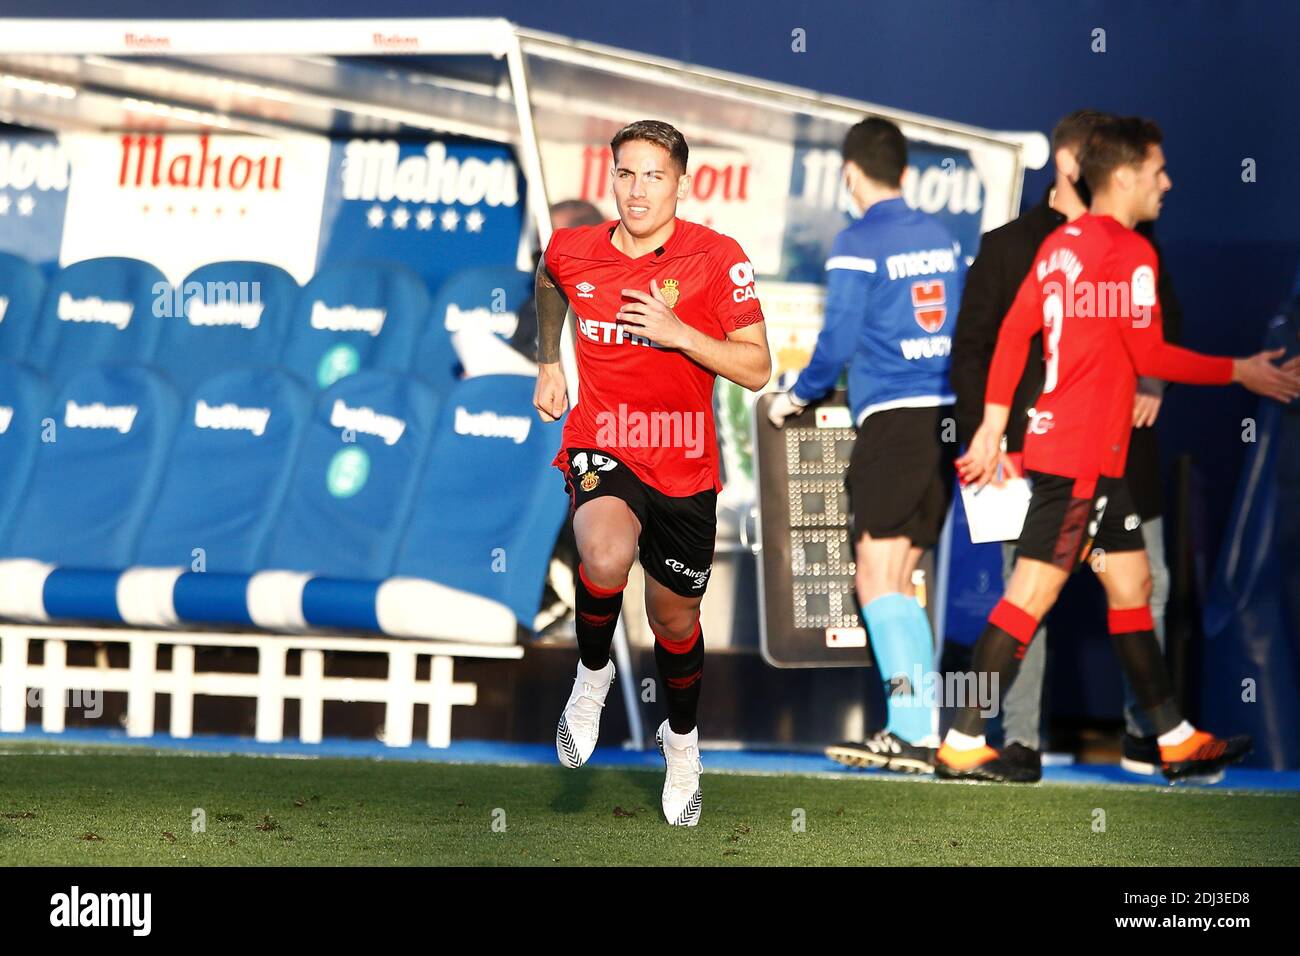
1005 255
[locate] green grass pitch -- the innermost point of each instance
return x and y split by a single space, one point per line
128 806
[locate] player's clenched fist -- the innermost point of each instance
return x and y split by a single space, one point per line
551 397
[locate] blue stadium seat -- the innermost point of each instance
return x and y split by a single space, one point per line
92 486
21 289
24 403
482 298
353 317
225 316
227 473
489 505
99 310
355 478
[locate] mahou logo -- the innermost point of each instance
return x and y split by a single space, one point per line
154 160
373 169
31 164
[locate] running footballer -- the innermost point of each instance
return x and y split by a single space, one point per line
662 307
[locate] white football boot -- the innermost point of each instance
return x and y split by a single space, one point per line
575 737
681 753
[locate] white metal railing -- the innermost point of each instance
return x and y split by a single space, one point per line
141 679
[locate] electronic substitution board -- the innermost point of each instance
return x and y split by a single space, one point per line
809 614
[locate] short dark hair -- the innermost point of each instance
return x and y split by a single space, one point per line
1116 141
1074 128
657 132
879 149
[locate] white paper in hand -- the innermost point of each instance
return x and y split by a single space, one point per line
996 514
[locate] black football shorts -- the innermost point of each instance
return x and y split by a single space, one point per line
900 475
1070 517
677 534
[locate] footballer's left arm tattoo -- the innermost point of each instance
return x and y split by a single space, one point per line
552 306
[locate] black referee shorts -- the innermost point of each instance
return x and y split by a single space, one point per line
901 475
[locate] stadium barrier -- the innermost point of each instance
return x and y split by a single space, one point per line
270 687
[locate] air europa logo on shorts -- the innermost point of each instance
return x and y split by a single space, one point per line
367 421
346 318
230 416
491 425
700 577
120 418
94 309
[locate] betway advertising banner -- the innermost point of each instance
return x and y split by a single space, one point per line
301 202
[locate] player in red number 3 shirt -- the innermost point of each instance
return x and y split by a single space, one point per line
662 307
1091 293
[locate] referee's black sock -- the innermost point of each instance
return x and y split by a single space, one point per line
997 654
1133 635
681 665
597 614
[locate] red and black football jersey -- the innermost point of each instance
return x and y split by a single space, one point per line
1091 293
652 407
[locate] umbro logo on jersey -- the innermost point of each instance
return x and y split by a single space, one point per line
1131 522
585 290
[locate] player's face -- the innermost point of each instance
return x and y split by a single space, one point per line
1152 184
647 185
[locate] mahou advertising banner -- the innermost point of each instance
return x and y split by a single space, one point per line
33 193
437 205
181 200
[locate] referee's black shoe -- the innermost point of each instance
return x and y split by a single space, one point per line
1140 755
1025 759
884 751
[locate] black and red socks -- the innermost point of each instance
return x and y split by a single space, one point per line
596 616
681 667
